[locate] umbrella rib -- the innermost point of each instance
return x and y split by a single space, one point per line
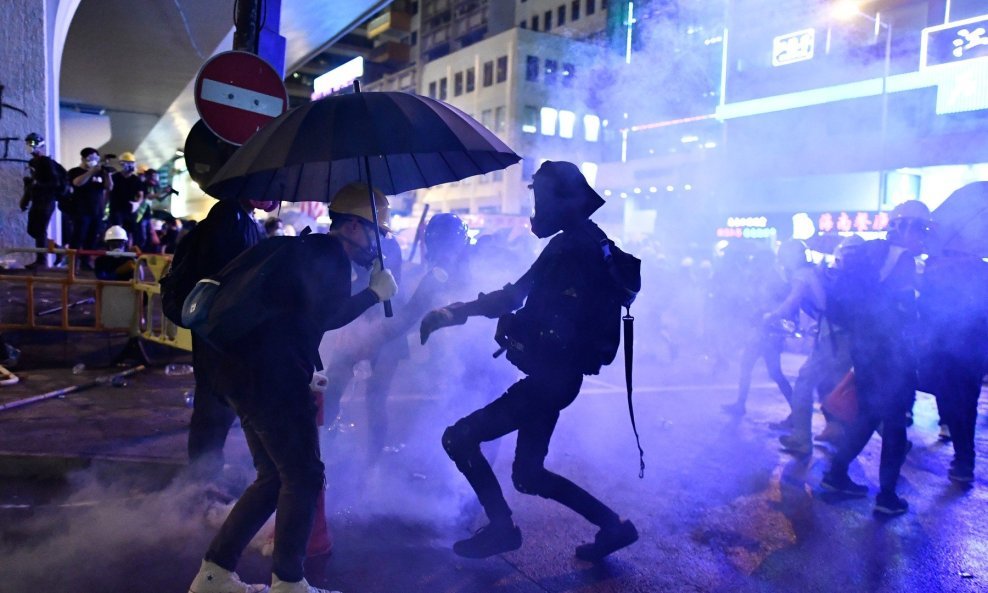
419 168
387 165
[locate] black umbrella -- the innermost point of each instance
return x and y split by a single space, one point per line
395 142
962 220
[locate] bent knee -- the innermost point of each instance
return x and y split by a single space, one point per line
528 479
457 441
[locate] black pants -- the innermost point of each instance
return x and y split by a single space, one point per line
769 349
531 406
212 415
278 416
886 392
956 382
85 231
38 217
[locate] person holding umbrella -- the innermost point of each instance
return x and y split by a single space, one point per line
305 283
563 331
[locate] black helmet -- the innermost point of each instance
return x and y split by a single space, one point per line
445 234
34 138
565 199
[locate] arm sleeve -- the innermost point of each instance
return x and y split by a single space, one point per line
351 308
510 298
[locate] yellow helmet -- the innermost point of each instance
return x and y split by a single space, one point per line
126 157
142 168
353 200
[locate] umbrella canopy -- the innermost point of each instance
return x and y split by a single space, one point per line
962 220
408 141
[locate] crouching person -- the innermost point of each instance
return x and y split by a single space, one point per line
569 326
290 290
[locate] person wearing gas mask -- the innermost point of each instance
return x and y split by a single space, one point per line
126 194
874 299
92 180
306 291
41 192
553 338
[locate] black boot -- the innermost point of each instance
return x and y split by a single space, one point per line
609 539
489 540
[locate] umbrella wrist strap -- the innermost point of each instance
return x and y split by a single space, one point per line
629 348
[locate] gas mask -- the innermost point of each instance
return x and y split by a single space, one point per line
128 167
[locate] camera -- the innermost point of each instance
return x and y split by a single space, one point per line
170 191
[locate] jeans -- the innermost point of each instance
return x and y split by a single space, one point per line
829 361
212 415
278 416
531 406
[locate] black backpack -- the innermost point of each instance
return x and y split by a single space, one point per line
181 277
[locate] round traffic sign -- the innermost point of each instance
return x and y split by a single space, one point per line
237 93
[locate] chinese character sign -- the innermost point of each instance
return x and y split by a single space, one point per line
953 42
793 47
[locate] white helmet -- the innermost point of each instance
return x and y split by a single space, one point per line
115 233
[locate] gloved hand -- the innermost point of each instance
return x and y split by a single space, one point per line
437 318
382 283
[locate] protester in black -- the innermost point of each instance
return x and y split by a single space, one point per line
874 298
552 340
41 191
227 231
126 195
306 295
954 314
92 180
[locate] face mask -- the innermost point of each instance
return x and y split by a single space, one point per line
92 162
129 167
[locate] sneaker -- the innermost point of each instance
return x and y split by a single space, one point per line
280 586
216 579
794 446
782 425
890 504
843 485
944 435
489 540
960 473
735 409
609 539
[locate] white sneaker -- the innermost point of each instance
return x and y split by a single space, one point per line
280 586
216 579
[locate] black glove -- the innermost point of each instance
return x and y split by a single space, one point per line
438 318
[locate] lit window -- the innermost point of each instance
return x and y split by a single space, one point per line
589 171
567 121
549 117
551 71
569 71
530 122
591 128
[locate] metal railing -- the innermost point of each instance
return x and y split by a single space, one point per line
131 307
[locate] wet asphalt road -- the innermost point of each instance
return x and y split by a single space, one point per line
721 508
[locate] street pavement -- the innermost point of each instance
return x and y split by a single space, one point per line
90 502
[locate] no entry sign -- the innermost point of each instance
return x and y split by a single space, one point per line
237 93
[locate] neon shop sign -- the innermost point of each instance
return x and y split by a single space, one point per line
747 227
847 222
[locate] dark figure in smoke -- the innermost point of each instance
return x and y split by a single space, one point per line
954 312
370 337
41 188
551 339
307 292
767 335
227 231
875 299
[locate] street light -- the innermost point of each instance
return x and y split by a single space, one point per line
847 10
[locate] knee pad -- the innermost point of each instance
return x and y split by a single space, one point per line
527 479
456 441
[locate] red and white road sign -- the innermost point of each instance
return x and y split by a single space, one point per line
237 93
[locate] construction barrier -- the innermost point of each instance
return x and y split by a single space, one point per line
59 300
153 326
